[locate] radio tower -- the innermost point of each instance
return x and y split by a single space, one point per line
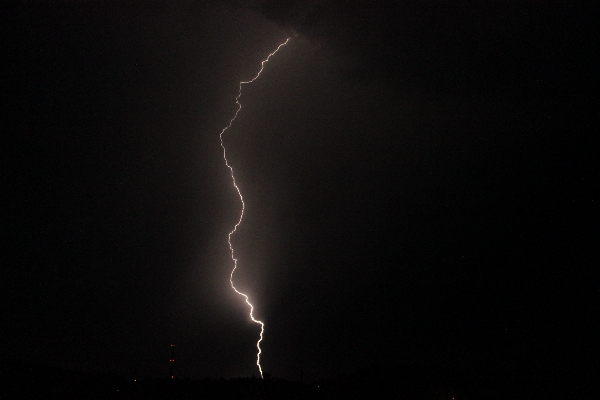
172 361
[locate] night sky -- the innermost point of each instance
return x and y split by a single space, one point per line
420 182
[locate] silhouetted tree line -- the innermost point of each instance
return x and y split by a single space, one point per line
406 382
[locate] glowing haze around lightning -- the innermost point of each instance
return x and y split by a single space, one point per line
237 100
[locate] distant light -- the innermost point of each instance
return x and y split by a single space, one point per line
172 345
172 360
172 376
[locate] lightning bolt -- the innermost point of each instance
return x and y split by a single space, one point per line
237 100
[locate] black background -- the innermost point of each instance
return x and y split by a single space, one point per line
420 183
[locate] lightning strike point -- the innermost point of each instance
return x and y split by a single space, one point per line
237 101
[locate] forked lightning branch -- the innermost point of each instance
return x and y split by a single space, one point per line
237 100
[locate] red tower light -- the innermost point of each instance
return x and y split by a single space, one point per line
172 361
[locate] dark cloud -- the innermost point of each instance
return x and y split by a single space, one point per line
448 45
